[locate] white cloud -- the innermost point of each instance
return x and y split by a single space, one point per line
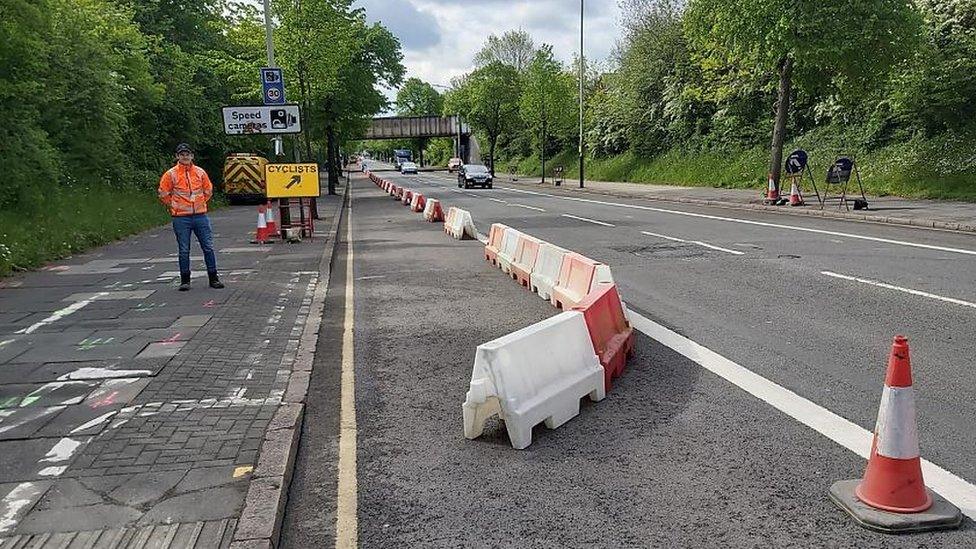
440 37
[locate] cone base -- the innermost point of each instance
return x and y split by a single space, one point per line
942 515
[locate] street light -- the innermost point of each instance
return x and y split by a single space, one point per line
581 65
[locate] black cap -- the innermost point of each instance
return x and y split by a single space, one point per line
183 147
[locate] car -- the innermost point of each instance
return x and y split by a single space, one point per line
408 167
470 175
453 164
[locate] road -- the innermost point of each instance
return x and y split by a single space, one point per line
677 455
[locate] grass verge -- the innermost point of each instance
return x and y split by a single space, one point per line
73 220
938 168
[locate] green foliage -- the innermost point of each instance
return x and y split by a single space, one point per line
96 94
418 98
546 103
513 48
689 97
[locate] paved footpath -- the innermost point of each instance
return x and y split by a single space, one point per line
134 415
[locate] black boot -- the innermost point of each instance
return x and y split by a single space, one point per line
184 282
215 281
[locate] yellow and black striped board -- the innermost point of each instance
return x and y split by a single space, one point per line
243 176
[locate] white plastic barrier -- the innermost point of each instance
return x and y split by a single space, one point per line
459 224
546 271
536 374
506 252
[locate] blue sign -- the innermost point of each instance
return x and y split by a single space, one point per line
796 163
274 86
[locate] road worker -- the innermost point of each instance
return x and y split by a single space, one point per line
185 189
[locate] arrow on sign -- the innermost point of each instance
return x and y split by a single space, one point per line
295 180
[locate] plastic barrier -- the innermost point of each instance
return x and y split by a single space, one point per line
407 197
433 211
610 332
546 272
449 218
526 255
418 203
577 275
536 374
506 253
459 224
494 242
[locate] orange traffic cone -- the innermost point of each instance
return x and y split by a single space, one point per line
270 221
796 199
893 479
772 192
261 235
892 496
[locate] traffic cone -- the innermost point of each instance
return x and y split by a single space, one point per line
796 199
261 235
270 221
772 192
892 496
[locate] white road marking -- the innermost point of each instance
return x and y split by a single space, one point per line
347 500
900 289
756 223
532 208
588 220
59 314
696 242
500 201
838 429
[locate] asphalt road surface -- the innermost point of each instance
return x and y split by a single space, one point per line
676 456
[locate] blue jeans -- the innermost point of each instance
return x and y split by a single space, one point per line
198 224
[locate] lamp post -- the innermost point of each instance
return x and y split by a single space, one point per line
581 75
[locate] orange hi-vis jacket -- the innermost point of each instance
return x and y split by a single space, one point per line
185 190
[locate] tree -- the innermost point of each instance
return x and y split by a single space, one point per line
490 102
513 48
828 43
546 104
418 98
338 61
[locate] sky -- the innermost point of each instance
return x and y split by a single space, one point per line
440 37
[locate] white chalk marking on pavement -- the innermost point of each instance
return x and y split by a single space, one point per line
59 314
499 200
20 497
696 242
755 223
531 208
588 220
838 429
900 289
61 451
92 423
102 373
347 501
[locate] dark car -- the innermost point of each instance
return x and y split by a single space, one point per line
470 175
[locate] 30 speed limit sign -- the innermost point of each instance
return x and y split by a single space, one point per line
273 95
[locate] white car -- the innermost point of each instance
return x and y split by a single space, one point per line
408 167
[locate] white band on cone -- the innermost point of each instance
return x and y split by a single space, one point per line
896 429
